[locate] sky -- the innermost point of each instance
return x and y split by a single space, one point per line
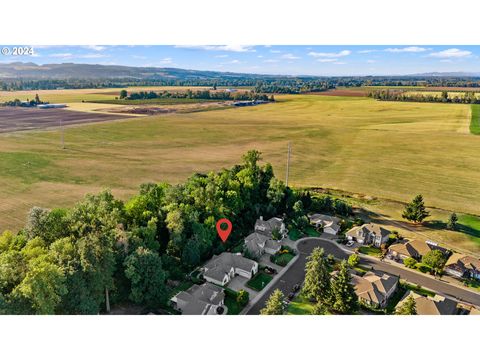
263 59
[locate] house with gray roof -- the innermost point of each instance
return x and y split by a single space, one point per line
369 234
205 299
267 227
258 244
375 288
329 224
220 269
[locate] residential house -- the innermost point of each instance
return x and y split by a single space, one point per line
463 266
205 299
220 269
329 224
413 249
258 244
375 288
369 234
426 305
267 227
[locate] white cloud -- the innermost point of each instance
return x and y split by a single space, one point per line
235 61
329 55
260 56
367 51
94 47
326 60
451 53
371 61
61 55
221 56
290 57
92 56
408 49
233 48
275 51
339 63
166 61
271 61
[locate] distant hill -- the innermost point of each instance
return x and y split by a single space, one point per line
89 71
457 74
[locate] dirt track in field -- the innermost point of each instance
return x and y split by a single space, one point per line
20 119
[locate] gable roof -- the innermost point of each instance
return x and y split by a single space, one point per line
412 248
257 242
201 299
266 227
463 262
374 287
438 305
325 220
367 229
220 265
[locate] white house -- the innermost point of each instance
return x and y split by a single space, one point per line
329 224
205 299
258 244
220 269
375 288
267 227
369 234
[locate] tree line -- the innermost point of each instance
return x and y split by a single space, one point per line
200 94
469 97
103 251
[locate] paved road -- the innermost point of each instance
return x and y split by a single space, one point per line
296 274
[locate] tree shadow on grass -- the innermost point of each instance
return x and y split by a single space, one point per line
468 230
435 225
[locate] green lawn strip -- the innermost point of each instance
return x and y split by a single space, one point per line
370 250
472 283
283 259
475 120
418 289
259 281
300 306
469 225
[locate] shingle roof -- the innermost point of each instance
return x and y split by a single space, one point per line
413 248
219 265
425 305
257 242
267 226
374 287
464 262
201 299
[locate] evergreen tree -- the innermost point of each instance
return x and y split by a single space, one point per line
415 210
274 304
344 300
452 222
408 307
317 277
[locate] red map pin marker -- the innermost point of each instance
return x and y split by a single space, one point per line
224 233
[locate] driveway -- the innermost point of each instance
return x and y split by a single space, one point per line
296 274
239 283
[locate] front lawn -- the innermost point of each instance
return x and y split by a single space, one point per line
259 281
418 289
310 231
294 234
234 308
283 257
300 306
370 250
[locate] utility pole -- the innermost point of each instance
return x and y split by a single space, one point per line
288 163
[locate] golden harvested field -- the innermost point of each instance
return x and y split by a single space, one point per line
383 149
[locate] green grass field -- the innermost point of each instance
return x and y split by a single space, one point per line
389 150
475 121
171 101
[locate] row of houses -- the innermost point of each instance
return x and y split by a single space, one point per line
376 288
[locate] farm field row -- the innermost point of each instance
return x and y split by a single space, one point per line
388 150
